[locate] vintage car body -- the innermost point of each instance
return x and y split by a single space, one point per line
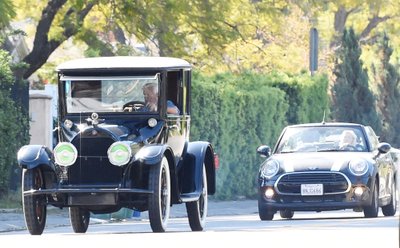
112 151
307 171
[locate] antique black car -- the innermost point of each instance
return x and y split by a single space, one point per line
122 142
327 166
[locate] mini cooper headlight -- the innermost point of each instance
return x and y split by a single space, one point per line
270 169
119 153
358 167
65 154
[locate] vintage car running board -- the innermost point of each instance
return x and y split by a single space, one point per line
88 190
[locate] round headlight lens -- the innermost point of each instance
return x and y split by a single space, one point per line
65 154
358 167
270 169
119 153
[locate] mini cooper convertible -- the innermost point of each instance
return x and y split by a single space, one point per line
327 166
122 141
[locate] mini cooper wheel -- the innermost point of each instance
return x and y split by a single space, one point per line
197 210
34 206
263 212
80 219
390 209
286 214
371 211
160 201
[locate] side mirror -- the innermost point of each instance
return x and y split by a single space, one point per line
384 147
264 151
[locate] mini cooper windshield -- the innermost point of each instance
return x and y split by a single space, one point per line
113 94
322 139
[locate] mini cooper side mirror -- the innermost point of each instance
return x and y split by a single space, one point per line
384 147
264 151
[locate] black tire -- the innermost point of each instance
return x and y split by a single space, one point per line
79 218
197 210
372 210
286 214
264 213
391 208
34 206
160 201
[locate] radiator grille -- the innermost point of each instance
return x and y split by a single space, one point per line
92 165
332 182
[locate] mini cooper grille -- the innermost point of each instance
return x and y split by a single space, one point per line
92 165
332 182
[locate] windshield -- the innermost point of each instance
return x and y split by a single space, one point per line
111 94
322 139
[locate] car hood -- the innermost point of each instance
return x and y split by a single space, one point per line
328 161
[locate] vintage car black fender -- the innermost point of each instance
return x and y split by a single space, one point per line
199 153
32 156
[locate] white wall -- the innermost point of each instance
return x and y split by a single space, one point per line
42 110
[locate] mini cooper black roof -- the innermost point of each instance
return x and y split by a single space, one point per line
122 63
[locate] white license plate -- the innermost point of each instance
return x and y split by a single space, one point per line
312 189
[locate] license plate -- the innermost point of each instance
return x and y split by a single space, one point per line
312 189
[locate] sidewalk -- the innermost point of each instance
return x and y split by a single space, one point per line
13 219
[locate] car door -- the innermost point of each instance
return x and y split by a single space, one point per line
178 124
384 163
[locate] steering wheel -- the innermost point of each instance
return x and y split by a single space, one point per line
348 148
133 106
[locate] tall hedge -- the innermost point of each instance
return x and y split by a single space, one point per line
12 122
237 113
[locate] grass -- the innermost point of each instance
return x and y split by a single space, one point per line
12 199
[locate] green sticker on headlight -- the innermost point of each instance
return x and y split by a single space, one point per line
65 154
119 154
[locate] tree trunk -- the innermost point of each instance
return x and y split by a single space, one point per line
42 46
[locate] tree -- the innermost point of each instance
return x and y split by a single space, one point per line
7 13
13 121
353 101
387 78
210 34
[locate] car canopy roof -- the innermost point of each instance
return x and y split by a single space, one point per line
122 63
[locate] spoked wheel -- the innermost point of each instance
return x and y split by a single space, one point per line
34 206
80 219
197 210
160 200
371 211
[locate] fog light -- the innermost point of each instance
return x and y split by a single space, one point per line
358 191
269 193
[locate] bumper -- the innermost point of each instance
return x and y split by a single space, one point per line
62 197
348 200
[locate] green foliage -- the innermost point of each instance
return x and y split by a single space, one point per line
387 77
353 100
12 125
237 113
307 96
7 12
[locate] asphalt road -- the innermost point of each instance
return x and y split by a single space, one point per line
307 229
13 219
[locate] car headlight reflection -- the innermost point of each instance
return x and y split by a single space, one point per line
358 167
119 153
65 154
270 169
